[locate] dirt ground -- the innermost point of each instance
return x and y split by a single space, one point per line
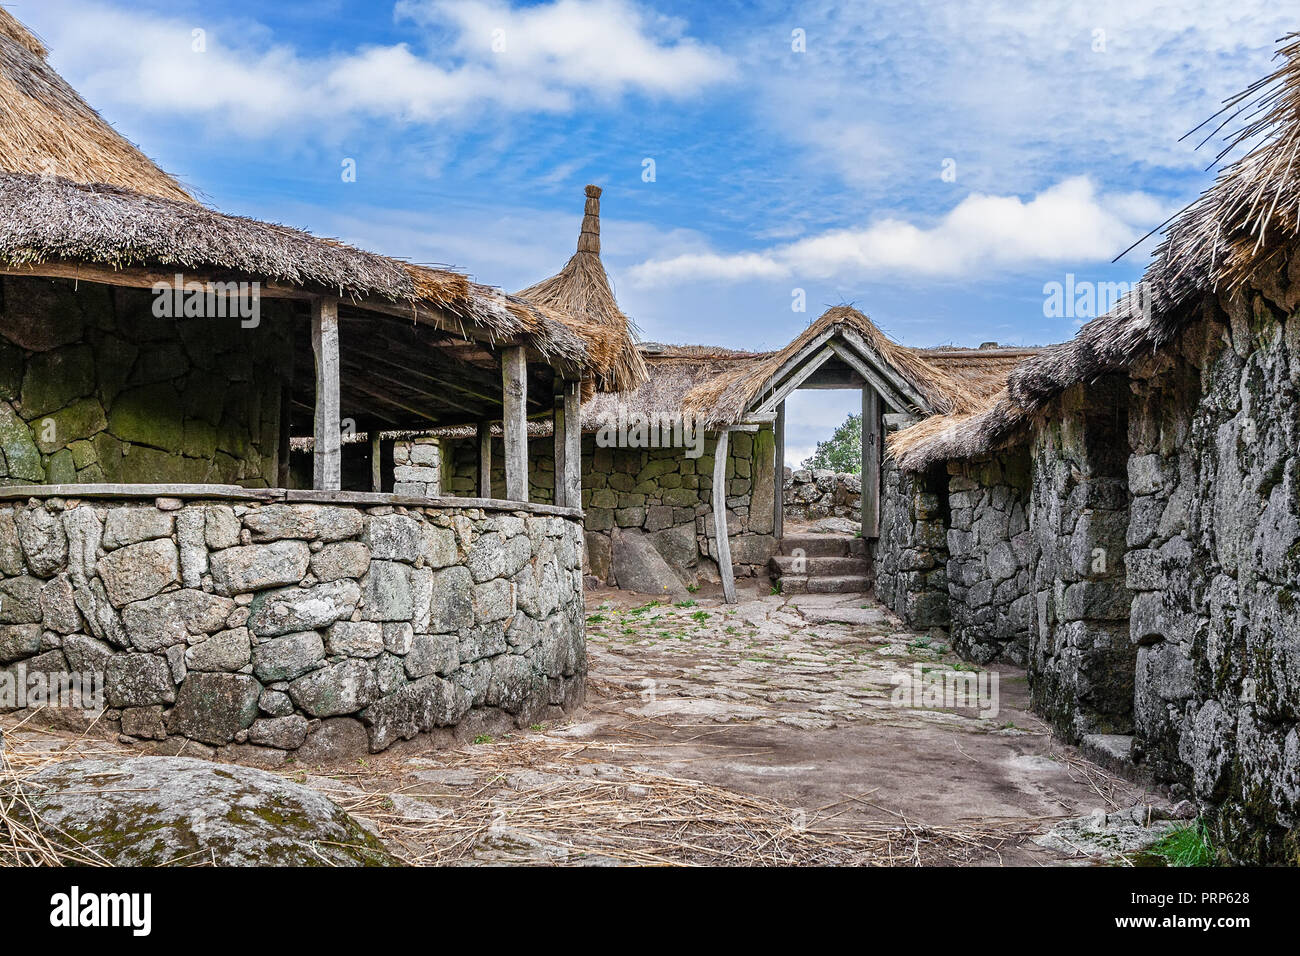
763 732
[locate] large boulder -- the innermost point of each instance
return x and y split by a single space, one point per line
154 811
638 566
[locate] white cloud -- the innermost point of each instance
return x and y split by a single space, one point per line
554 54
1070 222
1019 94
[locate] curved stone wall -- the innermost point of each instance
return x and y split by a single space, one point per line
251 619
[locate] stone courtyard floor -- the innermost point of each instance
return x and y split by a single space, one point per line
763 732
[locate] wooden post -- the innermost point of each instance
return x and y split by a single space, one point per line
376 461
572 445
514 420
485 459
720 518
778 489
871 449
559 447
327 472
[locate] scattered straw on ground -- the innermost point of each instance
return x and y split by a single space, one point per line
544 800
24 841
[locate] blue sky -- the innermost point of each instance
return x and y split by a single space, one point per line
934 164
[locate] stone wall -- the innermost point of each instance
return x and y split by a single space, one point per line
94 387
911 555
1081 662
259 627
809 495
660 493
1215 565
991 557
417 468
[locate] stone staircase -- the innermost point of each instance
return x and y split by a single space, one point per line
822 564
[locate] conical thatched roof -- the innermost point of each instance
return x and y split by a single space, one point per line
581 290
1246 224
47 129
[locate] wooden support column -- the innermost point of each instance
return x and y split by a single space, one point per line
376 461
514 422
573 444
567 436
327 466
871 452
720 518
558 446
485 459
778 489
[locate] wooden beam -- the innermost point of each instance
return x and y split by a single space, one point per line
572 475
376 462
725 570
871 447
559 448
795 379
888 371
484 434
327 465
778 496
514 421
873 380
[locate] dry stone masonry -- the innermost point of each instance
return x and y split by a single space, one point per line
95 388
659 497
417 468
1157 525
991 558
911 554
260 627
811 494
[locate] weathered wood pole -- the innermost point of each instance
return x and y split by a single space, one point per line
514 420
558 445
573 444
725 570
871 453
778 488
484 433
327 469
376 461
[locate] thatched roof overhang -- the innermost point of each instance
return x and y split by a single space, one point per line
1245 226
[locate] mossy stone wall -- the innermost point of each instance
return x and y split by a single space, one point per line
95 388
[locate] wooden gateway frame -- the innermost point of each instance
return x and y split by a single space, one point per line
838 358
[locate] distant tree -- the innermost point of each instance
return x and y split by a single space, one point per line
842 451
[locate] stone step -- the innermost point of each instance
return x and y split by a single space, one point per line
820 566
822 545
829 584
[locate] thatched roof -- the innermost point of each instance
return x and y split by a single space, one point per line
46 128
73 192
725 397
721 385
1246 224
581 290
46 220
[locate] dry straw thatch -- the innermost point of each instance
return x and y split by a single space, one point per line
1246 224
581 290
725 397
722 385
46 127
73 191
